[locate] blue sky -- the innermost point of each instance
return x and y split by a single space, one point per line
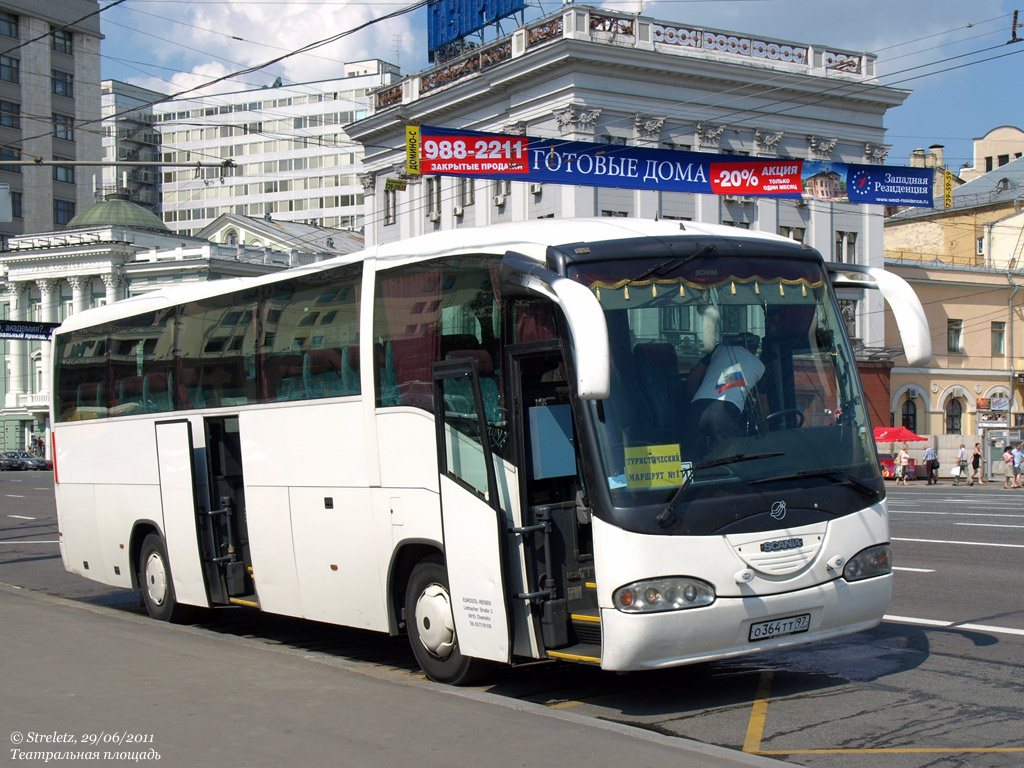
935 48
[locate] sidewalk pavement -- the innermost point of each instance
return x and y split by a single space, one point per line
93 686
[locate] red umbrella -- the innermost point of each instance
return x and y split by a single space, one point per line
896 435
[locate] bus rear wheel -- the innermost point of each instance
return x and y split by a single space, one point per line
431 627
156 584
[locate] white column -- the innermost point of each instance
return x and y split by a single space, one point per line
49 295
112 282
80 292
17 350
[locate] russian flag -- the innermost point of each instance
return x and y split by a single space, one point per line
729 380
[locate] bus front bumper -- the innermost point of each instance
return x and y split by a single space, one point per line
723 629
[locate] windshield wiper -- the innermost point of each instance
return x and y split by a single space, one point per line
667 516
674 262
856 482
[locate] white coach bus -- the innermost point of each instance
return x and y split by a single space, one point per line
627 443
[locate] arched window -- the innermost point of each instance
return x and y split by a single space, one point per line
910 415
231 238
953 413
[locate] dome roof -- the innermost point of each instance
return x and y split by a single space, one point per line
117 210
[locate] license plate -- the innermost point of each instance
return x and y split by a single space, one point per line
792 625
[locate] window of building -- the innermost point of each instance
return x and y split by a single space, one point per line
8 24
1003 159
954 414
10 114
980 246
8 154
846 247
65 173
793 233
10 69
16 205
614 213
432 190
998 339
910 415
64 127
988 164
62 41
955 336
63 211
466 192
63 83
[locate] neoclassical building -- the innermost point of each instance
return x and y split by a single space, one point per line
111 251
600 76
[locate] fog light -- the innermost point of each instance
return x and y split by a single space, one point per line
669 594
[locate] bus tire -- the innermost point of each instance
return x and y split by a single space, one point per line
156 584
431 627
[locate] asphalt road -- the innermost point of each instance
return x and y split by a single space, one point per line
939 683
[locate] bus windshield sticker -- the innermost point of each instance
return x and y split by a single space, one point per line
653 466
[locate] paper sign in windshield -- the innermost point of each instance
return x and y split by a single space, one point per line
653 466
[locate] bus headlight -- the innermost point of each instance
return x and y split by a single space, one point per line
671 594
873 561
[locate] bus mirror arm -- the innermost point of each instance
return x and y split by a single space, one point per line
906 306
587 326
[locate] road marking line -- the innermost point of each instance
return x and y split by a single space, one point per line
957 514
893 751
22 517
954 625
991 525
969 543
758 714
14 496
55 541
915 570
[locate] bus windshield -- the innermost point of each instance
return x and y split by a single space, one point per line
730 376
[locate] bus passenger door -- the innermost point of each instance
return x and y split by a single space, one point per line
178 496
473 523
561 580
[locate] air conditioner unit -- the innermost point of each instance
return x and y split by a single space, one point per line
1020 378
536 189
435 215
499 200
912 394
457 210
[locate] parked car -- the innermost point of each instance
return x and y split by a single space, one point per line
26 460
10 463
34 462
889 467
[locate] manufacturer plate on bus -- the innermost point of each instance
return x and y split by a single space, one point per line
792 625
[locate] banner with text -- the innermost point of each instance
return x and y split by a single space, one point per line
19 330
451 152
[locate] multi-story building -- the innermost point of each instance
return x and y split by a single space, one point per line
129 136
592 75
993 150
111 251
292 158
49 109
966 264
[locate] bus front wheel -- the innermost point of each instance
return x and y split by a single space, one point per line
156 583
431 627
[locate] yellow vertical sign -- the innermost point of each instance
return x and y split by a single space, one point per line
947 189
412 149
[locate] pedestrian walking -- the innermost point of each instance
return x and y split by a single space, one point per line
1008 481
977 460
931 463
903 465
961 464
1018 459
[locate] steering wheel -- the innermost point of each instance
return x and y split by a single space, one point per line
786 412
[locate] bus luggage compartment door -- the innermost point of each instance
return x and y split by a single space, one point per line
472 520
178 497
